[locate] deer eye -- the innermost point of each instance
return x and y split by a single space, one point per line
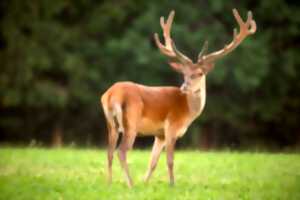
197 75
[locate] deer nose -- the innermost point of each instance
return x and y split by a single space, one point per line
184 87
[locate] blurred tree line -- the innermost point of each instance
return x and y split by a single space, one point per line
58 57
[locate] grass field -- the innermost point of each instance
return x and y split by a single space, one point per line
81 174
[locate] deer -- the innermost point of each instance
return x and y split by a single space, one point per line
164 112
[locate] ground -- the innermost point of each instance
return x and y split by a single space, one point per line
35 173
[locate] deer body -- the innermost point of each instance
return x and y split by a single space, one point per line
156 107
133 109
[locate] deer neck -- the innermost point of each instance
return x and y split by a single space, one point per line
196 99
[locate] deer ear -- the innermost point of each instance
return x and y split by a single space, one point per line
208 67
176 66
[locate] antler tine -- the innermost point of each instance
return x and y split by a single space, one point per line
162 22
250 16
234 33
238 17
169 48
203 50
167 28
252 23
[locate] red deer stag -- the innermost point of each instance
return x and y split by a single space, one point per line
133 109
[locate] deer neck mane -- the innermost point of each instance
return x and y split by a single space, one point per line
196 99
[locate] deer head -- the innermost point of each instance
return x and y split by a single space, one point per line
195 71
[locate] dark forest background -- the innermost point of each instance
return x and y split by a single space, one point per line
57 58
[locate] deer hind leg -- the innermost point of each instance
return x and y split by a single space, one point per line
158 145
112 142
125 145
112 136
131 115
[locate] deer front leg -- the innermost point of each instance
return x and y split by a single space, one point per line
170 146
158 145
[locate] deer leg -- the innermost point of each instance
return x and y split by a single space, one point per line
126 144
132 113
112 141
170 146
156 150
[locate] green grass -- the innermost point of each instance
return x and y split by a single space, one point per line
81 174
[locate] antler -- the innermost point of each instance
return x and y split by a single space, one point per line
246 28
169 49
